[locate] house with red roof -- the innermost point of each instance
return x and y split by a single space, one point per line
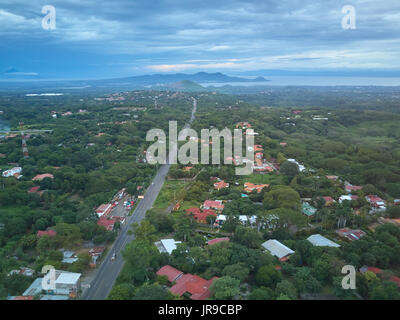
104 210
40 177
243 125
250 187
35 190
50 233
377 271
213 204
351 234
350 188
328 200
201 216
377 204
172 273
217 240
395 280
193 285
258 147
109 223
221 185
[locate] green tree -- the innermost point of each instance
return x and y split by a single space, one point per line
225 288
262 293
268 276
289 169
238 271
151 292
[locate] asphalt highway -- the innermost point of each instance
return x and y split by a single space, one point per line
109 270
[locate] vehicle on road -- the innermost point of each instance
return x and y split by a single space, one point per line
113 256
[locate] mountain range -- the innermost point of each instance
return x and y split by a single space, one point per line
127 83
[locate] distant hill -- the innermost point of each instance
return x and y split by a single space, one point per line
184 85
178 80
200 77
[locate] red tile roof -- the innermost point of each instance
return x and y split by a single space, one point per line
220 185
217 240
40 177
193 284
374 270
170 272
193 211
109 223
213 204
374 198
249 187
23 298
201 216
395 279
352 188
50 233
34 189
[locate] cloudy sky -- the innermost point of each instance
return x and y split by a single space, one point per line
112 38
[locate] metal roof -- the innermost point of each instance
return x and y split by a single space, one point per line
320 241
277 249
68 278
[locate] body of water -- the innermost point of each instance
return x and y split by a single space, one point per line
4 125
314 81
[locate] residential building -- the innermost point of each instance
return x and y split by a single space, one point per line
277 249
377 204
13 172
350 234
192 286
200 216
328 200
166 245
300 166
104 209
216 204
350 188
217 240
348 197
320 241
50 233
221 185
172 273
308 209
250 187
40 177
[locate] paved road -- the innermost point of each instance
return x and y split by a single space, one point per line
108 271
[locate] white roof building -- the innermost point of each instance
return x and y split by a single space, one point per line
221 217
301 167
12 172
243 219
67 279
277 249
344 197
320 241
166 245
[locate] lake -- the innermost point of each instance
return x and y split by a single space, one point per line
315 81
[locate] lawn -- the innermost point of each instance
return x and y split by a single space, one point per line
169 192
262 179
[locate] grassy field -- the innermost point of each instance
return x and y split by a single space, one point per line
169 192
261 179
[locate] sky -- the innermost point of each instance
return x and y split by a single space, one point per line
118 38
